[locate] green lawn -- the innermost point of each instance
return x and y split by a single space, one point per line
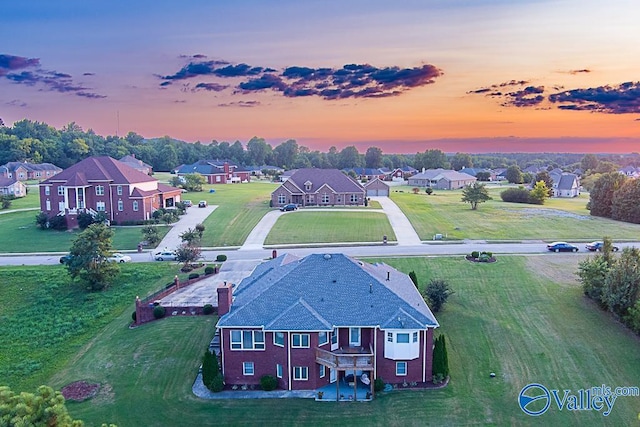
240 208
557 219
31 200
311 226
19 234
505 318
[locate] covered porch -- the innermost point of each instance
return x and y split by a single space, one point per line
351 370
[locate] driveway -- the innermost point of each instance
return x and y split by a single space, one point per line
405 233
193 217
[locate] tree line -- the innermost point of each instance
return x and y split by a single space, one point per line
37 142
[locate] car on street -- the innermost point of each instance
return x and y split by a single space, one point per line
187 203
598 245
289 207
65 258
165 256
562 247
202 204
118 257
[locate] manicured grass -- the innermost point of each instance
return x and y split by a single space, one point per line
19 234
523 318
557 219
240 208
46 320
309 226
31 200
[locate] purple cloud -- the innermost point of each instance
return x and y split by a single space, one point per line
244 104
621 99
211 87
10 63
350 81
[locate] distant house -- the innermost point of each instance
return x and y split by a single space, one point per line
12 187
103 184
325 321
568 185
441 179
630 171
318 187
401 174
286 175
137 164
376 187
23 171
217 171
366 173
259 170
474 172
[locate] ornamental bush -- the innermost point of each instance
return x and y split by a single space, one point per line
134 316
378 385
221 258
475 254
208 270
207 309
193 276
159 312
268 382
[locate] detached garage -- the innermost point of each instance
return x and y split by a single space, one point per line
375 187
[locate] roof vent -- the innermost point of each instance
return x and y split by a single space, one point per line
327 256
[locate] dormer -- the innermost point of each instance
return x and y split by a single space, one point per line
308 185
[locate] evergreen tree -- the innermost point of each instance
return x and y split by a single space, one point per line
413 277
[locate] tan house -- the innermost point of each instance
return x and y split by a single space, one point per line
441 179
12 187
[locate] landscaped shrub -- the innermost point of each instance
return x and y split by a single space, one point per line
159 312
378 385
475 254
193 276
207 309
515 195
221 258
134 316
217 384
484 257
489 254
429 191
57 222
209 270
85 219
413 277
268 382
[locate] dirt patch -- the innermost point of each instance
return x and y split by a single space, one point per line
537 212
558 268
80 390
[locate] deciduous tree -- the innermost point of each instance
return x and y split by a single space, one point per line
513 174
474 194
373 157
601 196
46 407
89 262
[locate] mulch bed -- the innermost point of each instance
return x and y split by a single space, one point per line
79 391
472 259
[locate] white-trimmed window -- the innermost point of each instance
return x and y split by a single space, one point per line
402 338
279 370
300 340
278 339
354 337
282 199
325 198
61 191
99 190
101 207
218 178
119 190
120 205
247 340
334 337
135 205
247 368
354 198
415 337
323 338
323 371
48 205
389 336
300 373
401 368
47 191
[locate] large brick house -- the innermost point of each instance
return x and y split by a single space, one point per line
319 187
217 171
314 321
103 184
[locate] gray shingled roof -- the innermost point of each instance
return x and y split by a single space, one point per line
320 291
338 181
436 174
566 181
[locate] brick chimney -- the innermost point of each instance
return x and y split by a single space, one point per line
225 296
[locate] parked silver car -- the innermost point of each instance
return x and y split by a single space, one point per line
165 256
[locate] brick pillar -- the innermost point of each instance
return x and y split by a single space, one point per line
429 367
225 297
138 311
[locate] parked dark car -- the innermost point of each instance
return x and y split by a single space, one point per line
289 207
187 203
597 246
64 259
562 247
202 204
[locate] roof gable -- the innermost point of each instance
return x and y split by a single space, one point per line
337 180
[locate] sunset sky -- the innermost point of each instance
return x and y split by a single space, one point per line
406 76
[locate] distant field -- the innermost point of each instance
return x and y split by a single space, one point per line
558 219
310 226
506 318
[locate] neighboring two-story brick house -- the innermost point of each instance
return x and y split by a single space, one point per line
217 171
103 184
313 321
